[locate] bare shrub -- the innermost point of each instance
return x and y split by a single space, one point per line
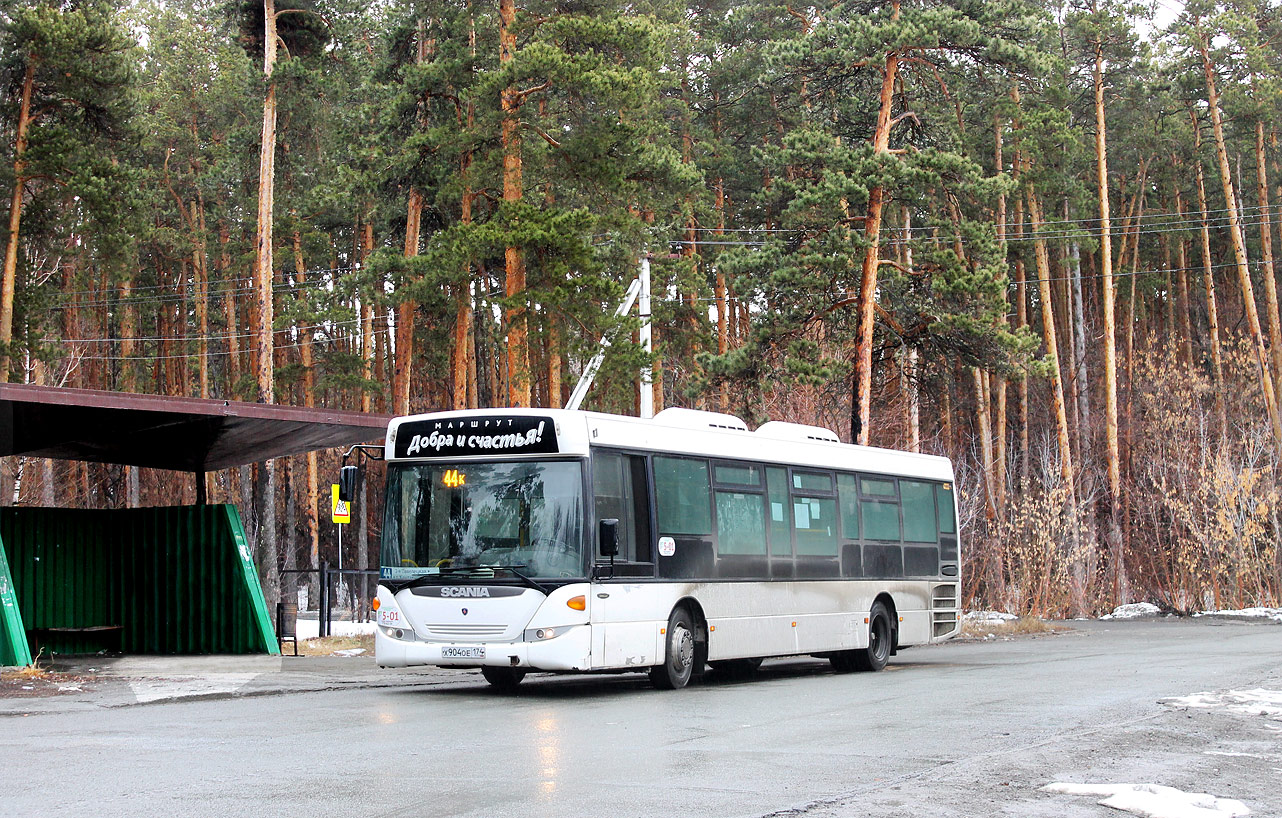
1204 499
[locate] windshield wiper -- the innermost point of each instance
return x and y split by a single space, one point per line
462 572
398 585
527 580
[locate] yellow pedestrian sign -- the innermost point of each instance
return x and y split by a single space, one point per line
339 510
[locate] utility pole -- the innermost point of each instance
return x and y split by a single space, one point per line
647 372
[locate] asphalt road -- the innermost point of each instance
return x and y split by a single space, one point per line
963 729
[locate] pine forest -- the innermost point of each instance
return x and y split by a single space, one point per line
1035 238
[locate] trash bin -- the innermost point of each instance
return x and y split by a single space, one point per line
287 623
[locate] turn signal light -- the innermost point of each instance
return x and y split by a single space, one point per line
578 603
375 604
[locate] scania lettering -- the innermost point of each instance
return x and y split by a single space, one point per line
552 540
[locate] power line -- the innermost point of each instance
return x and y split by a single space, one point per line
317 272
175 297
214 337
211 353
1024 236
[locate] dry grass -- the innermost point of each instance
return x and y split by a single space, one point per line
23 674
32 681
328 645
1024 626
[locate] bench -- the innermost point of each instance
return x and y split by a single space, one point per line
109 635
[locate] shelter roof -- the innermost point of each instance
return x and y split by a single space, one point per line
156 431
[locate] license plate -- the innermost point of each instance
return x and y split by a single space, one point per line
463 653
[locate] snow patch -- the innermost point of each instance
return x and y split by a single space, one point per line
988 617
1133 610
1248 613
1154 800
350 652
1257 702
310 628
177 687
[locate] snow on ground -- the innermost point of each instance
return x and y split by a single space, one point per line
1257 702
310 628
1133 610
988 617
173 687
1154 800
1249 613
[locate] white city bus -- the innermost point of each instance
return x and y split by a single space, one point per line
552 540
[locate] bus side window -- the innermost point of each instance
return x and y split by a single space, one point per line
882 527
683 496
921 529
814 521
609 487
848 495
639 491
947 522
683 506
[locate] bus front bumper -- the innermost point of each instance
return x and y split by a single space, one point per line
570 650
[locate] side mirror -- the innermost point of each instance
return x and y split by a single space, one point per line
609 537
347 484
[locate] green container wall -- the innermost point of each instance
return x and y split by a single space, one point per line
178 579
13 638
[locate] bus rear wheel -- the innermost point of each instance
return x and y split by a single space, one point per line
880 639
503 678
679 653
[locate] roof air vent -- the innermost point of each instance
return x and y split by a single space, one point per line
695 419
782 430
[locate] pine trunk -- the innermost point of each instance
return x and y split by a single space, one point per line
1184 320
1239 252
518 352
861 394
1208 281
1266 256
9 279
1057 396
266 488
367 317
1109 292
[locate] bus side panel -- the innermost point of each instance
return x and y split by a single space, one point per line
759 619
627 623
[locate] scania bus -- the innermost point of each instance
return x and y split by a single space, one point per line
553 540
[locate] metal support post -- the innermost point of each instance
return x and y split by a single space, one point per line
647 372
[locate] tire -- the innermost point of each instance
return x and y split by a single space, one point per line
505 679
881 637
679 653
844 661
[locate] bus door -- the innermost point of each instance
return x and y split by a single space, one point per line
622 617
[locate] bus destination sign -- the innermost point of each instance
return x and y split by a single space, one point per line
477 435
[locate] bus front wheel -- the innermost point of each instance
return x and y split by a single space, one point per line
503 678
679 653
880 639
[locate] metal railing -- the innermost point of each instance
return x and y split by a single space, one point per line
329 576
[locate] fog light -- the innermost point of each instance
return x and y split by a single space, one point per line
400 634
545 633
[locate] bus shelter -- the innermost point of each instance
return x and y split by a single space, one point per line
168 580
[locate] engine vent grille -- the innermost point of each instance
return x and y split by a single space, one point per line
468 631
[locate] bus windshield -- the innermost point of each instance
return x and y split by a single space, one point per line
526 516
